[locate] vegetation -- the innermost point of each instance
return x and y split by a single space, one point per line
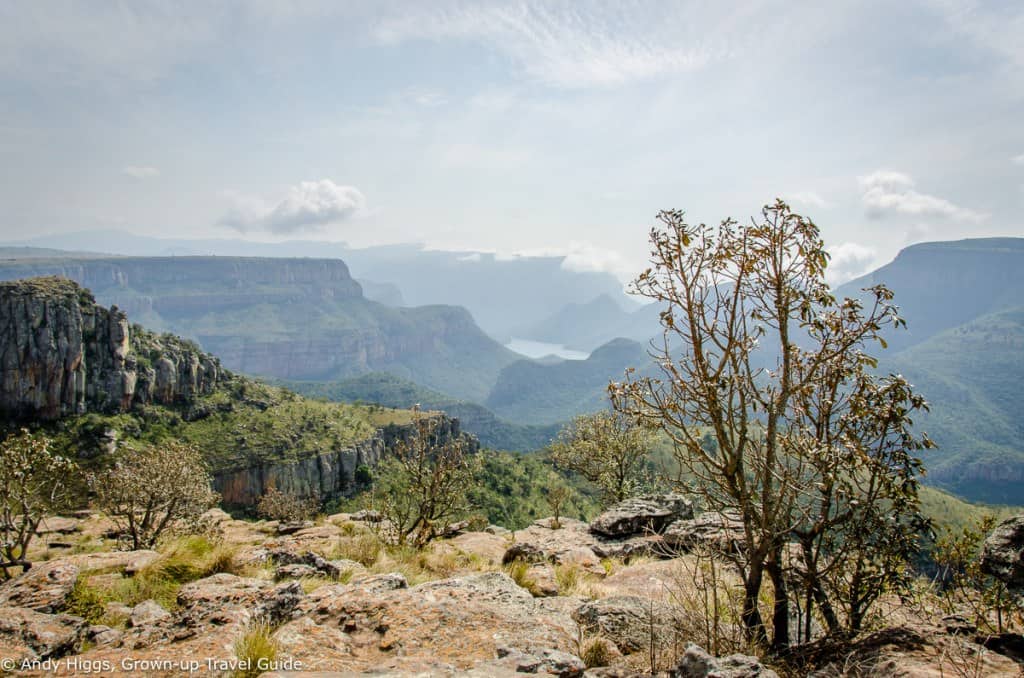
278 505
153 488
255 649
809 445
607 448
424 482
33 483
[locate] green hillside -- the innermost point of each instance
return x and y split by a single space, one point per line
972 377
391 391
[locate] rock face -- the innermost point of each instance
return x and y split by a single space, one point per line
1002 554
629 621
721 532
696 663
63 354
329 474
637 515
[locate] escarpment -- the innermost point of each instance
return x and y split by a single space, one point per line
63 354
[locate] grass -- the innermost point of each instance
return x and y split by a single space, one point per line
255 649
519 571
596 652
568 578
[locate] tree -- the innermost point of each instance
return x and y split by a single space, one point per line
607 448
33 483
155 487
557 496
424 482
808 444
278 505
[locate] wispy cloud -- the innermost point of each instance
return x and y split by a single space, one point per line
567 45
848 261
308 205
887 192
140 172
808 199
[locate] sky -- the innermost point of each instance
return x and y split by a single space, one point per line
513 127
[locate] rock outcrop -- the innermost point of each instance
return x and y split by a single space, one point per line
1002 554
62 354
637 515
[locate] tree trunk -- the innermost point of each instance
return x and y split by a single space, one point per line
753 624
780 611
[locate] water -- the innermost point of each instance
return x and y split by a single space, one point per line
541 349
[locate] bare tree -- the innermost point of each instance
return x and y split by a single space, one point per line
807 442
607 448
154 487
33 483
424 482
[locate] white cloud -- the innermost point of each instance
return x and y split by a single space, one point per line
848 261
141 172
566 46
585 257
1018 159
472 257
308 205
887 192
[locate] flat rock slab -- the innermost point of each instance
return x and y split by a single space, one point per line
43 588
28 634
648 514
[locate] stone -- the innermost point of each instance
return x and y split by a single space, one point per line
1002 554
696 663
221 596
628 621
489 547
102 635
43 588
43 635
147 612
642 515
722 532
367 516
314 561
58 525
296 571
380 583
544 661
498 531
284 528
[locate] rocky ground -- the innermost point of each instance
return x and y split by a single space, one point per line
327 598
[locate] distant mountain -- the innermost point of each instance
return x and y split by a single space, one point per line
288 318
502 293
532 393
383 293
586 326
972 375
940 285
391 391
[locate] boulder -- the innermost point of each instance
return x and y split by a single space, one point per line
58 525
223 598
489 547
1002 554
642 515
628 621
43 588
40 635
316 564
721 532
147 612
545 661
296 571
367 516
696 663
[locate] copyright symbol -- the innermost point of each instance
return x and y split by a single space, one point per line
7 664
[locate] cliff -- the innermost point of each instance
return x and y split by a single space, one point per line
286 318
63 354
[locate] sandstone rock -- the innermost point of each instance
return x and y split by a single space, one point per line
543 580
498 530
43 588
43 635
545 661
642 515
627 621
58 525
380 583
102 635
1002 554
316 564
489 547
367 516
296 571
220 597
147 612
721 532
696 663
293 527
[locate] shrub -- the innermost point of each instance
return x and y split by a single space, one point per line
278 505
255 649
596 652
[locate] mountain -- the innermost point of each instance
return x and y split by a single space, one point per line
390 391
940 285
287 318
94 381
972 375
532 393
502 293
586 326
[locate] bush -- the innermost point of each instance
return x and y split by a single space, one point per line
255 650
596 652
277 505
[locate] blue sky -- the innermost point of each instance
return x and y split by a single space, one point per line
558 127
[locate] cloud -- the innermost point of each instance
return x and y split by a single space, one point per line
308 205
887 192
140 172
584 257
1018 159
849 260
566 46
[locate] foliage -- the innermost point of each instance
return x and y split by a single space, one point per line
519 571
557 496
151 488
424 482
965 586
278 505
596 652
33 483
607 448
808 443
255 649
